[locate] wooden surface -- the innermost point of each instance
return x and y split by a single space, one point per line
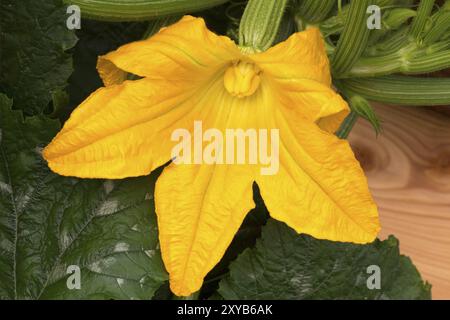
408 168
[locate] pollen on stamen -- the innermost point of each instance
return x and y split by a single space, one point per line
242 79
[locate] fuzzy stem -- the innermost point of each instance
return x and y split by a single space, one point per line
260 23
402 90
139 10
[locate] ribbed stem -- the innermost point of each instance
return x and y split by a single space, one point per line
393 43
132 10
431 63
401 90
376 66
314 11
408 60
441 27
423 12
260 23
353 40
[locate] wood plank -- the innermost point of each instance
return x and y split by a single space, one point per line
408 168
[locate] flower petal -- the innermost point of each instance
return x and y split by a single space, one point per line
185 50
124 130
301 56
314 101
299 70
199 208
320 189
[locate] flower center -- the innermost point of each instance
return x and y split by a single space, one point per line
242 79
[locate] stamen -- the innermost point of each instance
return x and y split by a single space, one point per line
242 79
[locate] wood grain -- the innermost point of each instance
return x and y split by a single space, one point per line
408 168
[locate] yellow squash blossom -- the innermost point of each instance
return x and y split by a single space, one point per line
190 74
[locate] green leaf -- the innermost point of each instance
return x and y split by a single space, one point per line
47 223
33 60
285 265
